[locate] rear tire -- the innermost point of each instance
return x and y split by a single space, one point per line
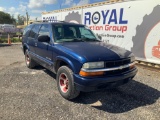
30 63
65 83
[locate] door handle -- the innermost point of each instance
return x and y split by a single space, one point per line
36 44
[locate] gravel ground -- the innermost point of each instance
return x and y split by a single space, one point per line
32 95
10 55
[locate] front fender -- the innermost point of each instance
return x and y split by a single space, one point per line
66 60
25 46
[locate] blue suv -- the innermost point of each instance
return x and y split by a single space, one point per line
80 60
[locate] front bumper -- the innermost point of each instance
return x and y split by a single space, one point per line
87 84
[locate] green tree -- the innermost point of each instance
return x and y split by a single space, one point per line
20 19
6 18
13 20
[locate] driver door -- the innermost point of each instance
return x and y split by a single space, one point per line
44 49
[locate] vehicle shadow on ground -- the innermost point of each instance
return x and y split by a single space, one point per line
122 99
50 73
118 100
39 67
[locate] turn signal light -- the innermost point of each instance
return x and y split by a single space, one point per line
87 74
132 66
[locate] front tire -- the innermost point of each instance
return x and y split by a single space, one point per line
30 63
65 83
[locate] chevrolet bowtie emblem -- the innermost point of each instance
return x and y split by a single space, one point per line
121 67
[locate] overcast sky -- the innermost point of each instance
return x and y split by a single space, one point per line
35 7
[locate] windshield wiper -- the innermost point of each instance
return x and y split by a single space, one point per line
78 40
81 40
90 39
72 40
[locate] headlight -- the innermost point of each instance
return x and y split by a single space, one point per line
132 59
91 65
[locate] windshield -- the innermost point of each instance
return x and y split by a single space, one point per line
73 33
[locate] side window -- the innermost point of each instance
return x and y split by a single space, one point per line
34 31
44 30
27 29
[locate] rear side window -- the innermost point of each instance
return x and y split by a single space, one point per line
44 30
27 30
34 31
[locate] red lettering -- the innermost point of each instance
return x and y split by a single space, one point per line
116 28
124 28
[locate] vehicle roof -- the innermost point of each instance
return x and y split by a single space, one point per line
60 23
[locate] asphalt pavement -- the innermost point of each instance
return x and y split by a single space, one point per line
31 94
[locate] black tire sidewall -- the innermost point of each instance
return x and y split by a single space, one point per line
69 75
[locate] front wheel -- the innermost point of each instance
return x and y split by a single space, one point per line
65 83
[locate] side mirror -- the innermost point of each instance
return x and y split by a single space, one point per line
44 38
99 37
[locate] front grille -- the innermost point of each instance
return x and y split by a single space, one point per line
117 63
116 72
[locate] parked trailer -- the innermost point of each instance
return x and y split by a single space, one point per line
133 25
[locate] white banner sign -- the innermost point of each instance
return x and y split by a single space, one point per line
133 25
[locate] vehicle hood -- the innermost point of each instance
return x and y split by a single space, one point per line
94 51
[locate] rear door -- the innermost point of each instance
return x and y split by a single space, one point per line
25 36
32 38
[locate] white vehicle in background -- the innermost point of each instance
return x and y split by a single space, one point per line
3 26
8 28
